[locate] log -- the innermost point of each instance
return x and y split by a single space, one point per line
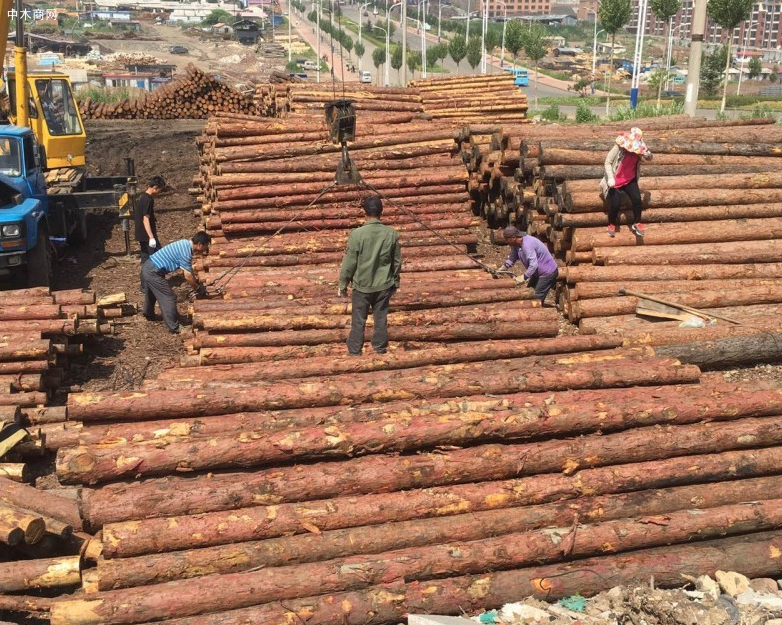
16 471
694 232
452 380
617 273
594 173
590 201
591 290
45 573
11 518
765 180
44 503
156 569
29 313
126 538
728 352
710 253
227 591
34 606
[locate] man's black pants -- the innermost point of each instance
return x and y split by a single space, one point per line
157 289
615 198
362 303
144 253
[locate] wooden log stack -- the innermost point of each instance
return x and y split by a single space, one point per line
195 95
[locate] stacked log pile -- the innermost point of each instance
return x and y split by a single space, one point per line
481 459
195 95
711 215
459 98
40 331
473 98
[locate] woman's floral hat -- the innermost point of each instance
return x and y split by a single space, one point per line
632 141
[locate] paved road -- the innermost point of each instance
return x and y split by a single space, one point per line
547 86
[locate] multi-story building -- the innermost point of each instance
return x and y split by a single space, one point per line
497 8
761 31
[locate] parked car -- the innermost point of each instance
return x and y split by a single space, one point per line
364 77
178 50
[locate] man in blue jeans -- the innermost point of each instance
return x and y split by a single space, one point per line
541 269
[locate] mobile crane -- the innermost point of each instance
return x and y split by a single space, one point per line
45 191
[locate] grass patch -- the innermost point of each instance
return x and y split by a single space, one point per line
106 95
646 109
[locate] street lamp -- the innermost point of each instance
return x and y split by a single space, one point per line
388 57
639 52
388 39
746 45
290 42
422 7
504 22
439 18
594 50
669 56
468 21
484 28
360 13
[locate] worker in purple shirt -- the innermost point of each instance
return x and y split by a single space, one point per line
541 269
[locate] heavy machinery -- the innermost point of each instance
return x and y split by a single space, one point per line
45 191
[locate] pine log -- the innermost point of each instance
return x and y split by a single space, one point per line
709 253
34 606
616 273
221 592
46 573
728 352
44 503
592 290
15 471
125 538
590 201
531 374
594 173
156 569
11 518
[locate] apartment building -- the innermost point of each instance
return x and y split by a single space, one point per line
515 8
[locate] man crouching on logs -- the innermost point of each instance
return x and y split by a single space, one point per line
372 264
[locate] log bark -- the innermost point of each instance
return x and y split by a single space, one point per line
592 290
616 273
12 518
743 252
589 202
220 592
46 573
533 374
594 173
126 538
156 569
15 471
44 503
728 352
34 606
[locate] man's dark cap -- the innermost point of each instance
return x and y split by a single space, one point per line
512 232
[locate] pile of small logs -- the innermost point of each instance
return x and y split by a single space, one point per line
194 95
473 98
712 208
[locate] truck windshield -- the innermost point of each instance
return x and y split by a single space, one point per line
59 108
10 163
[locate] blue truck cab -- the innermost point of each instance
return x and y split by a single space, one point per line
24 206
520 75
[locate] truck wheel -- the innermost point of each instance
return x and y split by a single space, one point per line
79 234
39 261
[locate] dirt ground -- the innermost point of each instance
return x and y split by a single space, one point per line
139 348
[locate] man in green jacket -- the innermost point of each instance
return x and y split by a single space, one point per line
372 263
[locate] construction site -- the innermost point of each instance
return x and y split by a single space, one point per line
624 438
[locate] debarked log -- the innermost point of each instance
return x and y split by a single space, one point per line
46 573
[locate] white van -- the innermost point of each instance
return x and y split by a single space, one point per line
310 65
364 77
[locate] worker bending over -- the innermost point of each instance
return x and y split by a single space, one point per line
372 263
171 258
541 269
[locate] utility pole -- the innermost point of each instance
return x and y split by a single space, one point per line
696 50
404 43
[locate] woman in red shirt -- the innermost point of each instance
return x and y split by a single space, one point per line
622 169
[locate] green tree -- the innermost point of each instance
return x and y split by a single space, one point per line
514 38
440 52
360 50
493 39
378 59
414 61
397 59
614 15
347 43
474 52
729 14
535 49
664 10
712 71
217 16
390 26
457 48
773 77
755 67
